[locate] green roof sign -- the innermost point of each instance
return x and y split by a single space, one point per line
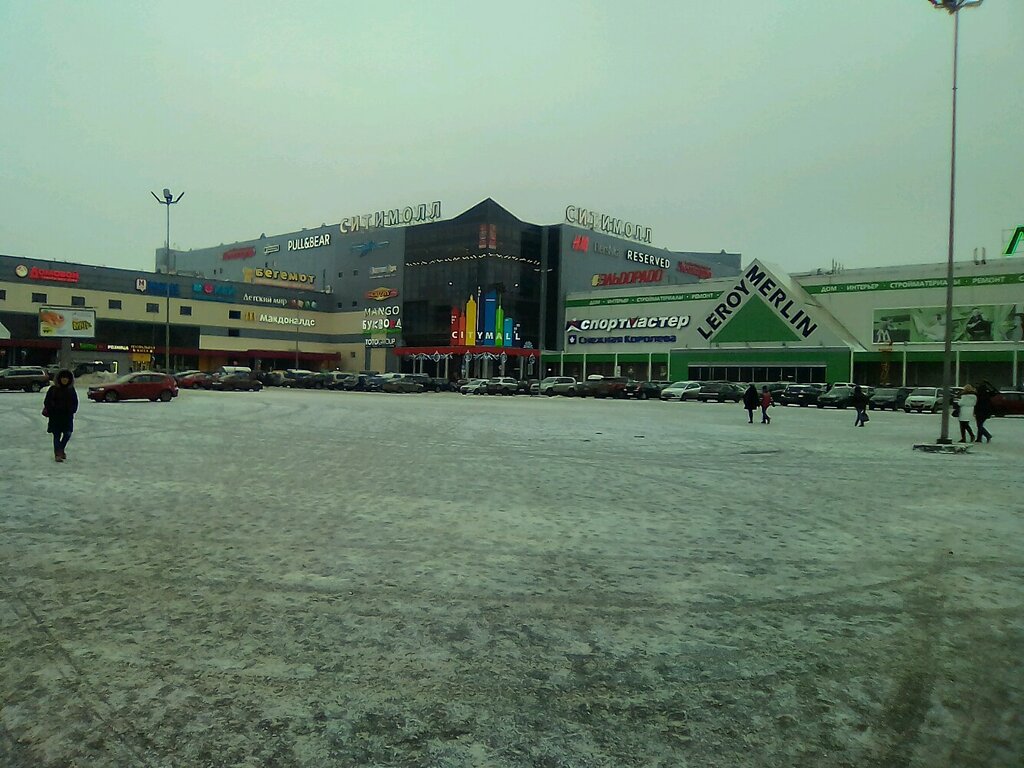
1015 240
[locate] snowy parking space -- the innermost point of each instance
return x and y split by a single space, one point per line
315 578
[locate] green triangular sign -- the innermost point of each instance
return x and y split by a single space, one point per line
754 321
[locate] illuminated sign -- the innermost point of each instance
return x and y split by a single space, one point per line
581 243
54 275
370 245
269 249
382 294
252 298
697 270
627 323
608 224
393 217
390 341
238 253
277 277
646 258
283 320
313 241
382 320
627 278
213 291
142 285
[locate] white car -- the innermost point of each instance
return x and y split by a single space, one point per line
681 390
474 387
557 385
927 399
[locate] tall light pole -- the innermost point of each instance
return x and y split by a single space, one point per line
953 7
168 201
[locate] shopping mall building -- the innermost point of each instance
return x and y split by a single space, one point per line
398 289
875 326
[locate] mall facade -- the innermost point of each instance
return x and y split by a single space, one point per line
874 326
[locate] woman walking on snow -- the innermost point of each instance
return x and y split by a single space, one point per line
59 407
766 403
860 402
750 402
967 402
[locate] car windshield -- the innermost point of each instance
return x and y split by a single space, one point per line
924 392
885 391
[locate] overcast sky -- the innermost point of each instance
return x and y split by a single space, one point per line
796 131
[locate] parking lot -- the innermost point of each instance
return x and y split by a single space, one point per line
316 578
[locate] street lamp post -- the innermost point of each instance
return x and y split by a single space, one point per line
168 201
953 7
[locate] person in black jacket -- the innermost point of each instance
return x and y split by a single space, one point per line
59 407
860 402
983 409
750 401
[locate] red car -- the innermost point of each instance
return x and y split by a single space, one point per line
144 385
1008 403
197 380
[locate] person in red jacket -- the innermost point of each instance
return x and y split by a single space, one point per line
766 403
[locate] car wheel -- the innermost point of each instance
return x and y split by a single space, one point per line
165 396
111 397
643 395
35 386
820 405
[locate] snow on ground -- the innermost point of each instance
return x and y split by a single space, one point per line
294 578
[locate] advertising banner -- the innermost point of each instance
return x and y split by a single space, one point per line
65 322
927 325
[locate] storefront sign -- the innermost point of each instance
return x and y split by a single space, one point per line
927 325
284 320
272 248
64 322
213 291
385 342
697 270
621 339
278 277
581 243
648 258
369 246
53 275
626 323
253 298
905 285
614 279
153 288
382 319
389 270
393 217
756 279
382 294
238 253
655 299
313 241
609 224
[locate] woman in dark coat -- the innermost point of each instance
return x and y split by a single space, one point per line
750 400
860 402
59 407
983 409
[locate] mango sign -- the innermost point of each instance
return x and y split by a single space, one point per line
67 323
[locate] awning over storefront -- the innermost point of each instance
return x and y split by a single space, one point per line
509 351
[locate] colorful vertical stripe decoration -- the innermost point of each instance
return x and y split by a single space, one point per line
483 323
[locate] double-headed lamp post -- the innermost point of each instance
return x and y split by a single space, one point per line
168 201
953 7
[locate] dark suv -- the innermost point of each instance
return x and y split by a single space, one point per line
27 378
889 397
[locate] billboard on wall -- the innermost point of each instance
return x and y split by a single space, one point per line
65 322
927 325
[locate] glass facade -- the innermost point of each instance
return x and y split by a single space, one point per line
484 250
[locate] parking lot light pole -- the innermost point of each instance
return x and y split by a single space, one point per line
168 201
953 7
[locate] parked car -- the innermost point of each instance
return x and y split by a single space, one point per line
274 378
194 380
294 377
502 385
927 399
645 390
681 390
142 385
889 397
474 387
236 382
837 397
1008 403
801 394
403 382
27 378
558 385
720 392
606 386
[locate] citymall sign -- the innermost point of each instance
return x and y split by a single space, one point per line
64 322
657 329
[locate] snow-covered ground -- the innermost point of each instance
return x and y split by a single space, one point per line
337 579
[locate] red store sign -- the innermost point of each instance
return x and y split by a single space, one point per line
54 275
238 253
697 270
